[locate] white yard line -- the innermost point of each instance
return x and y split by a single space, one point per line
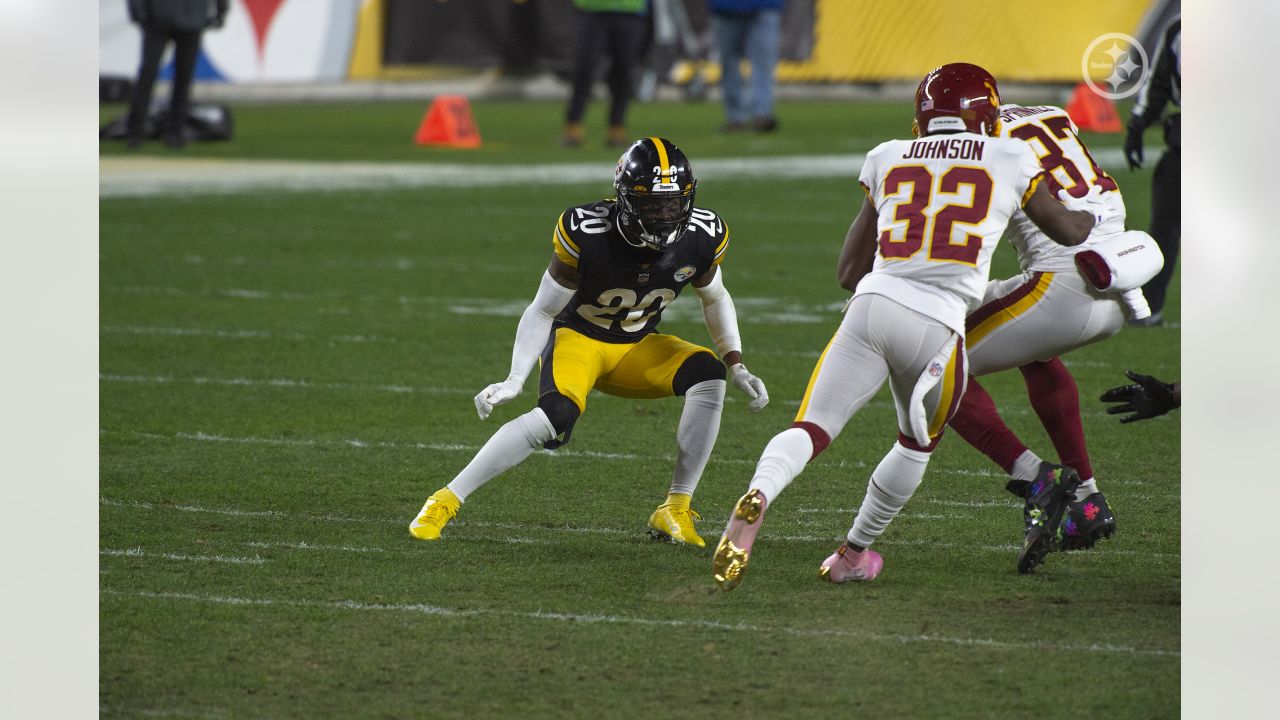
299 383
457 447
706 527
140 553
580 618
756 311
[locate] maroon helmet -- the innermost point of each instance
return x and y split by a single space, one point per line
957 97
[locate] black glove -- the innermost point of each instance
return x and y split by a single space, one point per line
1147 398
1133 147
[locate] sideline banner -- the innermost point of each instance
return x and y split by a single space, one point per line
840 40
874 40
261 41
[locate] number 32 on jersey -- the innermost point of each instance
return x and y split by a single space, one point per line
926 214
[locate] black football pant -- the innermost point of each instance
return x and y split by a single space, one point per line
621 36
186 45
1166 222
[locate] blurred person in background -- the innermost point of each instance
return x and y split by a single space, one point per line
1162 86
749 29
616 28
162 21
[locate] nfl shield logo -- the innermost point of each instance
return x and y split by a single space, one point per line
935 368
642 278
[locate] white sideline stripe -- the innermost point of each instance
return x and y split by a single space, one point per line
435 610
455 447
139 552
145 177
709 527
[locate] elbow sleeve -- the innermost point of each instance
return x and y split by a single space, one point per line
720 314
535 325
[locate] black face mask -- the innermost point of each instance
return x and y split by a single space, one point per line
655 221
661 210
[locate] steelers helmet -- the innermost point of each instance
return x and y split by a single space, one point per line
655 188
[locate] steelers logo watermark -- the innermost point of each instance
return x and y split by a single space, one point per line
1115 66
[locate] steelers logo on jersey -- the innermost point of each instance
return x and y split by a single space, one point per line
685 273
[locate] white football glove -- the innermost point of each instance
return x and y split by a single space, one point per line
1091 203
497 394
751 385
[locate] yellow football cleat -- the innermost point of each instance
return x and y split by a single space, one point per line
436 513
672 521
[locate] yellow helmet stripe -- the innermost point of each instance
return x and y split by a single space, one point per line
663 161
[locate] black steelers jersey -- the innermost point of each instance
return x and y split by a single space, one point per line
624 289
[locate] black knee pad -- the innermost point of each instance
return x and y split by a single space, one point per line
563 413
699 367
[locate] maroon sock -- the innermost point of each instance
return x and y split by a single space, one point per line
979 423
1056 400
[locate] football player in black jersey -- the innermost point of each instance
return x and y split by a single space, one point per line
593 323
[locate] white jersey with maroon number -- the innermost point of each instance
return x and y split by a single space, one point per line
1056 142
943 202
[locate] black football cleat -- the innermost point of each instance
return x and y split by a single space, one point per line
1087 522
1047 500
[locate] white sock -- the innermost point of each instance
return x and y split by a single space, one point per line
783 459
509 446
892 484
696 436
1087 488
1026 467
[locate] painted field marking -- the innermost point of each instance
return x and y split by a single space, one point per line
140 553
575 454
150 177
610 619
763 311
709 527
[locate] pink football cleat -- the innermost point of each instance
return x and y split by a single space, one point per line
734 550
847 564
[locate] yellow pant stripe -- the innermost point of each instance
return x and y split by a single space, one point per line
813 379
948 392
976 335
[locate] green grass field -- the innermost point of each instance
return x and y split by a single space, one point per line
286 376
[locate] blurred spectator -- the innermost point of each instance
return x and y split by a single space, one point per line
1162 86
750 29
162 21
616 28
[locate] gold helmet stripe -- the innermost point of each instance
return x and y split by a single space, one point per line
663 161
